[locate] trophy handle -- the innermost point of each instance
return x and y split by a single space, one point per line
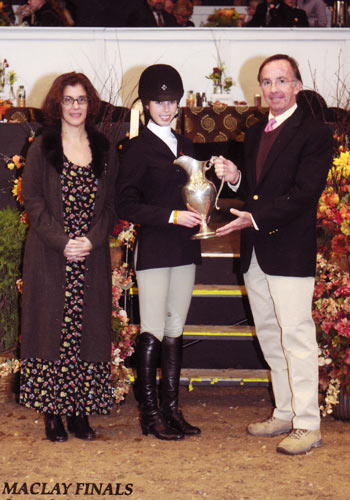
219 192
207 167
209 163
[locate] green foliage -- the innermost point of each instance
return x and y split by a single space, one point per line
12 235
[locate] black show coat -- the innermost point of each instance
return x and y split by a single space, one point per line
149 189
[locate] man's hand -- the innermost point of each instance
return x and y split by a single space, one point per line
225 168
243 221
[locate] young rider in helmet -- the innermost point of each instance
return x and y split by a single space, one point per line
149 194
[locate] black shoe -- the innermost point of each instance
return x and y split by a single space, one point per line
79 426
176 420
157 426
54 428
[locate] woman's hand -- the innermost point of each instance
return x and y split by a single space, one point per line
77 249
225 168
189 218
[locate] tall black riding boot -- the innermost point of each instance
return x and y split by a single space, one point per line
171 360
152 421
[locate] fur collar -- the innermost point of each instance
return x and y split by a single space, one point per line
53 151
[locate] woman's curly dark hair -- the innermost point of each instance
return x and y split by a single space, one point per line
51 106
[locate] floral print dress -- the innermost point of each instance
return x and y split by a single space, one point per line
70 386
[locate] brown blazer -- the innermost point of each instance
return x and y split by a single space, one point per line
44 262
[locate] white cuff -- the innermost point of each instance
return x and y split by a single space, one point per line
234 187
254 223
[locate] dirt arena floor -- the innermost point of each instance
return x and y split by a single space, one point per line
224 463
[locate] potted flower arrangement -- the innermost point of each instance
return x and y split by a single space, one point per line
331 309
12 235
223 18
13 228
7 81
221 83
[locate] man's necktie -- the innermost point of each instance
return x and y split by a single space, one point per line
160 19
270 124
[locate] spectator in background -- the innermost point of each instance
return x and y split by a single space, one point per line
151 14
182 12
315 11
169 6
42 13
270 14
245 18
297 18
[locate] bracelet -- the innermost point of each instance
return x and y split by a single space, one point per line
176 216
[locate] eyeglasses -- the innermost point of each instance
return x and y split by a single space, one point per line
279 82
67 100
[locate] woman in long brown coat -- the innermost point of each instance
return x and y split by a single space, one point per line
68 192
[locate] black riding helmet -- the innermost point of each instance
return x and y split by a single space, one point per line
160 82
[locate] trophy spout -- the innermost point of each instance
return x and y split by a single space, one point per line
189 164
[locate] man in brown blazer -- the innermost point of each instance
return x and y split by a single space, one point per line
286 165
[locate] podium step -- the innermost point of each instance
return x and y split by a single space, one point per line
218 332
226 377
192 377
204 290
220 304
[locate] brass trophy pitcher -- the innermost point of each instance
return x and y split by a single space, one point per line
198 192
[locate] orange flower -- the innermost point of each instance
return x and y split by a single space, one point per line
17 160
19 282
17 190
24 218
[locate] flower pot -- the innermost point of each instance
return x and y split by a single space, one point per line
341 411
6 388
7 380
